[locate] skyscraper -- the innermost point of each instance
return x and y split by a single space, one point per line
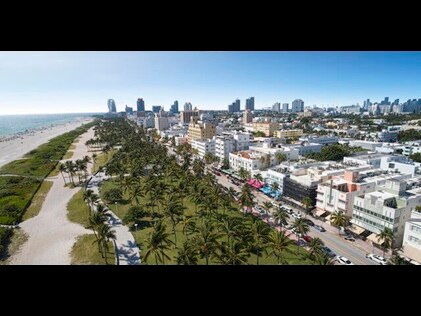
188 106
156 108
285 107
276 107
237 105
140 105
129 110
297 106
111 106
174 107
250 104
247 117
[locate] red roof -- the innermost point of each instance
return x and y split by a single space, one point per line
255 183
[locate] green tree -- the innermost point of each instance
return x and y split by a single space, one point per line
267 206
280 157
279 244
339 219
274 186
259 233
306 201
158 243
187 255
281 217
316 245
259 177
233 253
206 239
244 174
386 237
301 227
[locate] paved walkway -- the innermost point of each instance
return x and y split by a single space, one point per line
127 249
51 235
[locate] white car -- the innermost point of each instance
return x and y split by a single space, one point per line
295 215
376 258
343 260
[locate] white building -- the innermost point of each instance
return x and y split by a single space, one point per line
203 146
245 159
365 144
389 206
400 164
412 237
305 148
324 140
224 145
242 140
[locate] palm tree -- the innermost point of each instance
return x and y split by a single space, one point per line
397 261
246 198
232 193
339 220
173 210
105 234
306 201
62 169
281 217
259 233
386 236
233 253
70 169
280 157
274 186
185 222
279 243
187 255
315 245
244 174
229 226
267 206
301 227
323 259
206 239
259 177
158 243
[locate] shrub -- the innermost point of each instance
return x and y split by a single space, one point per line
113 195
5 234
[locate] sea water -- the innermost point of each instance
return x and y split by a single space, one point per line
18 124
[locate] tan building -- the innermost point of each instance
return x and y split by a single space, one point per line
268 128
200 130
247 117
186 116
284 133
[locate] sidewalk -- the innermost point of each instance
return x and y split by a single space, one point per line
127 250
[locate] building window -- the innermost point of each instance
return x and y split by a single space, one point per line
414 240
415 229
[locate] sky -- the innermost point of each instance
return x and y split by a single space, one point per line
73 82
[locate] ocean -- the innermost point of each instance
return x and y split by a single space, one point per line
15 124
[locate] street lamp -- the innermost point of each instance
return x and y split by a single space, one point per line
116 208
135 226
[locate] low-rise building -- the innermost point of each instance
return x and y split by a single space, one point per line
199 130
365 144
203 146
288 133
389 206
224 145
323 140
412 237
268 128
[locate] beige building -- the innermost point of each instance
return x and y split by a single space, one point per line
268 128
198 130
247 117
284 133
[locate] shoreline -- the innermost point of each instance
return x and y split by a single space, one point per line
16 146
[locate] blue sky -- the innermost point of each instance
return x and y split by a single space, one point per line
63 82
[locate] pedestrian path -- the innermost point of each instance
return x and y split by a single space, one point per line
127 250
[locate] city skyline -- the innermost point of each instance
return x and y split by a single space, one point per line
76 82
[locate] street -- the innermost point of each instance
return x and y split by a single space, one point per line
331 239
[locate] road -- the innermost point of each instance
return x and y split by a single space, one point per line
331 239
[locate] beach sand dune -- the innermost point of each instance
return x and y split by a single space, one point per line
18 146
51 234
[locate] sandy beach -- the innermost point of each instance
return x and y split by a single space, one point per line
51 234
15 147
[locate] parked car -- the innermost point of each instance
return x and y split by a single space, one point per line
343 260
349 238
289 211
295 215
309 222
307 238
328 251
319 228
217 173
376 258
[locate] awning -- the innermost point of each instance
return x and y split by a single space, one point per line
374 239
320 212
356 229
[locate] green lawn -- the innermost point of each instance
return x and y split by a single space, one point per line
78 210
102 159
85 252
15 192
142 234
37 200
68 155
